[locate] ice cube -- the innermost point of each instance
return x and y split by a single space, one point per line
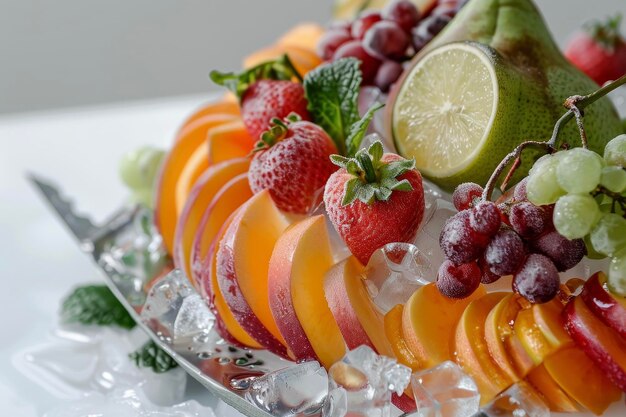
297 389
362 384
394 272
369 96
427 238
176 312
520 400
445 391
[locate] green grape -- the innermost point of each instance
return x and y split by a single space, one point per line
139 168
542 186
609 234
617 274
575 215
613 178
615 151
143 196
591 252
579 170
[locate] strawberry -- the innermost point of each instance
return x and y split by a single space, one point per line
292 161
266 99
374 199
266 91
599 51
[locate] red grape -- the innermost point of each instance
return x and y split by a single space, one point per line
369 64
458 281
519 193
435 23
386 39
387 74
344 25
447 9
485 218
488 277
537 280
527 219
330 41
505 252
565 253
464 195
365 21
403 12
459 242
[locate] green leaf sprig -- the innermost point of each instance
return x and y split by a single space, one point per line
150 355
95 304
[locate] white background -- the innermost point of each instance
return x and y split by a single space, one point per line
60 53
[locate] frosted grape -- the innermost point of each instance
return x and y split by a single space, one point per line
537 280
615 151
464 195
519 193
579 170
609 235
485 218
505 253
565 253
542 186
458 281
459 242
528 220
617 274
613 178
575 215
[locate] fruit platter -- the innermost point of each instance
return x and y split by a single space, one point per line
419 209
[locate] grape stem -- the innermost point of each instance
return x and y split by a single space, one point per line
575 106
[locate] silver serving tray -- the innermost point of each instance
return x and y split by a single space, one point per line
225 370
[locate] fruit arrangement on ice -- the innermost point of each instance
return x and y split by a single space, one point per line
314 238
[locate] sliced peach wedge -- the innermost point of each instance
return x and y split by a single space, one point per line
223 106
242 266
226 201
301 258
556 399
190 138
393 331
207 186
471 349
429 321
226 324
581 379
358 318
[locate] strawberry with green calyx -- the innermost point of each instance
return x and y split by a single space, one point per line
266 91
374 198
292 161
599 51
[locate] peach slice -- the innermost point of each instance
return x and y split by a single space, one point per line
228 141
552 393
189 140
303 35
224 106
227 326
581 379
303 59
503 345
601 343
242 268
231 196
200 196
472 353
301 258
393 331
428 323
609 308
360 321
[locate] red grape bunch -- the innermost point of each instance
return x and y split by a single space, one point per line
383 40
485 241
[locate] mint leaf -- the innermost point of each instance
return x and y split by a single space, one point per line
332 91
152 356
359 128
95 304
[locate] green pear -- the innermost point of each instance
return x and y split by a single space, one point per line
533 81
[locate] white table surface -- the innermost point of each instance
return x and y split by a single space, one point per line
39 261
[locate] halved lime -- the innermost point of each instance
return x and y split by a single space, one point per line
445 109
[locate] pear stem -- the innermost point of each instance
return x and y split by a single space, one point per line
575 105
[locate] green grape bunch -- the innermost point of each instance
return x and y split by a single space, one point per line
589 196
